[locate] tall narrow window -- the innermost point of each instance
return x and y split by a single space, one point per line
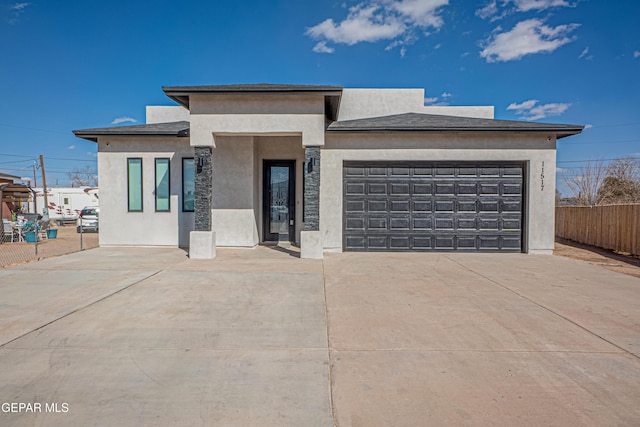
188 185
162 185
134 184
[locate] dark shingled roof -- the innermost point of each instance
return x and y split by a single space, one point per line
179 129
418 122
180 94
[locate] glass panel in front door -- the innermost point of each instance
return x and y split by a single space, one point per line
279 201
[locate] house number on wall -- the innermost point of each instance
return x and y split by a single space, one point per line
542 178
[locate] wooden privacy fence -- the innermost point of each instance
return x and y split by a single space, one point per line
615 227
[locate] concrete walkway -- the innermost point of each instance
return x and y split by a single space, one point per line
138 336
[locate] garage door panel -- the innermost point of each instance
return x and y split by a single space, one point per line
467 189
464 223
421 188
355 206
355 224
421 206
511 205
377 205
489 188
376 171
377 188
511 188
489 242
444 242
399 188
377 224
433 206
512 224
377 242
400 224
444 205
355 189
488 206
445 188
467 206
421 224
354 171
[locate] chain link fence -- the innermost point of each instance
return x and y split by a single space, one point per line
19 247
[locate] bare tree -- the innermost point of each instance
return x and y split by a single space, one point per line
622 184
83 177
585 181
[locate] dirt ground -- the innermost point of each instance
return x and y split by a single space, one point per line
67 241
604 258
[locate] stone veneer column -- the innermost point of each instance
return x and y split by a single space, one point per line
202 240
312 189
310 238
203 184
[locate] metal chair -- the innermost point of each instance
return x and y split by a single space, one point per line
7 230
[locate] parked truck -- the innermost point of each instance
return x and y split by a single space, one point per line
64 203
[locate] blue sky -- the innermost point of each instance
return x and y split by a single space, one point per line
79 64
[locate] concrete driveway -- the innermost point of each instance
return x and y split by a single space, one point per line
138 336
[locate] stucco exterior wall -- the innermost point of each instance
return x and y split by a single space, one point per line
365 103
535 150
166 114
147 228
234 190
237 215
213 116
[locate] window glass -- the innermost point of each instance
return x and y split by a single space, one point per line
162 185
188 185
134 184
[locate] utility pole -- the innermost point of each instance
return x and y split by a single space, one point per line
44 185
35 180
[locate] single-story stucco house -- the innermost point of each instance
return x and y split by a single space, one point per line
328 168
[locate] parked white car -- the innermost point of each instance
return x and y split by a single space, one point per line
88 219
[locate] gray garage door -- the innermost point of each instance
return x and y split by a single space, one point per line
418 206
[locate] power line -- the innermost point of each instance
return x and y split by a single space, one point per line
600 142
594 160
36 129
616 126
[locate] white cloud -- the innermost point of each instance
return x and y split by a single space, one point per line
71 147
321 47
19 6
527 37
119 120
431 100
403 51
530 110
636 54
92 154
446 95
588 126
491 9
16 10
585 54
527 5
375 20
495 10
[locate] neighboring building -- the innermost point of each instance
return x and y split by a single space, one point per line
12 194
329 168
64 204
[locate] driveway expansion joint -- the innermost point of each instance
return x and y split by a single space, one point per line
544 308
80 309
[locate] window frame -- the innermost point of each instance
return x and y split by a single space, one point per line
129 163
193 160
156 184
